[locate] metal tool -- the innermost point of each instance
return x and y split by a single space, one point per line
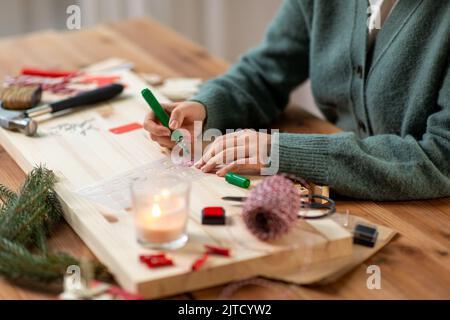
24 121
329 205
237 199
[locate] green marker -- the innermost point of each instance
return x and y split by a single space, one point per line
163 117
237 180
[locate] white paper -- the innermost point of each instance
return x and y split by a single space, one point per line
115 194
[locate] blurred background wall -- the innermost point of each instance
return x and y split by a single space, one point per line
227 28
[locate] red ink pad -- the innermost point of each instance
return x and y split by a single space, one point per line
213 216
126 128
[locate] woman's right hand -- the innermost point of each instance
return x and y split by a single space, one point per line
182 115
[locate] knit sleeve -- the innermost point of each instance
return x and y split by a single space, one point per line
381 167
256 89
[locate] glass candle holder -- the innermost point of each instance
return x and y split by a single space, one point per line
161 210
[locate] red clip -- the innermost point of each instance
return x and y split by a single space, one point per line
146 258
199 262
119 292
47 73
116 291
217 250
156 260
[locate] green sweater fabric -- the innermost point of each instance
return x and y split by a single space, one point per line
393 103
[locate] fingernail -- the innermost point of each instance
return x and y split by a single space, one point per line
173 124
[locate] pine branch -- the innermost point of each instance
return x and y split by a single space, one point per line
13 248
36 207
6 194
6 206
35 268
21 223
41 241
26 218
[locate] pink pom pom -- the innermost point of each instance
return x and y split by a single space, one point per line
272 207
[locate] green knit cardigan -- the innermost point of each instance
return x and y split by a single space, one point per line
393 103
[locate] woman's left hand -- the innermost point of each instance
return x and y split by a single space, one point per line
245 150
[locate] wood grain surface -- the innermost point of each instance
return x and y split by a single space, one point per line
415 265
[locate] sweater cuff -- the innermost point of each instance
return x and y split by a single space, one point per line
305 155
213 99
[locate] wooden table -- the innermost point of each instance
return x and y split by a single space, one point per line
415 265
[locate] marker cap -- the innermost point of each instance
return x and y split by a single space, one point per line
237 180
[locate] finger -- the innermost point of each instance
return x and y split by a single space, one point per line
178 114
150 116
221 143
225 157
250 164
163 141
169 106
153 127
210 151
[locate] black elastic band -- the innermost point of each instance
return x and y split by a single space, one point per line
330 205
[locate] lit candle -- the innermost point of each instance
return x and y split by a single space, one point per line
161 214
157 225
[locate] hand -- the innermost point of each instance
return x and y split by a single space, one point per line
182 115
243 150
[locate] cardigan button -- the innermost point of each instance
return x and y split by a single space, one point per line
359 71
362 126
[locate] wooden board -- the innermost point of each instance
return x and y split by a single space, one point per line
415 265
327 271
80 148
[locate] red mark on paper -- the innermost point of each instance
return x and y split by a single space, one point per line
126 128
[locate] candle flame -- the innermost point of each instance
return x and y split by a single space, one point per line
165 193
156 210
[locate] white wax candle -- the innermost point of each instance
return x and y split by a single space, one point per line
163 221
